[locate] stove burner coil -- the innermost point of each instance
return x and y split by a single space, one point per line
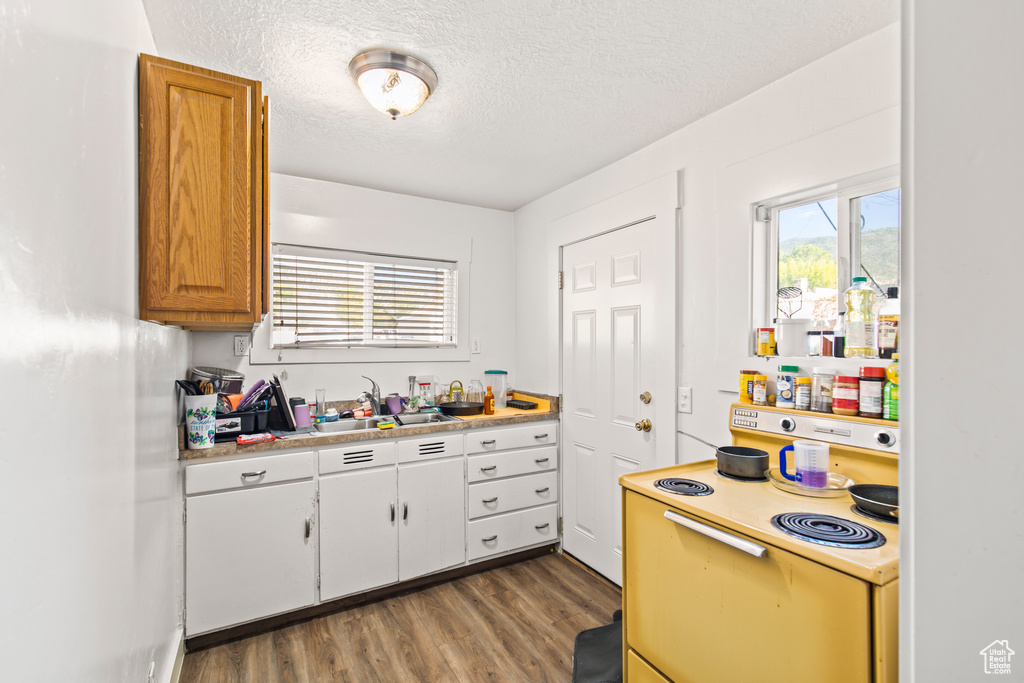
872 516
827 530
723 475
684 487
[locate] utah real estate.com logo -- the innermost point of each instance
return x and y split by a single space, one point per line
997 657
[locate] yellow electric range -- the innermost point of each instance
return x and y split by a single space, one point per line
714 588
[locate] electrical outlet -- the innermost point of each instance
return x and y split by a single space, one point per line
474 345
685 400
241 344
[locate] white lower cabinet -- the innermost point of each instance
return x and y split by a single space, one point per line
432 529
502 533
250 549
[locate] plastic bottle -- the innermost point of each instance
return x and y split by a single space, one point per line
889 324
861 320
489 402
839 338
891 392
785 387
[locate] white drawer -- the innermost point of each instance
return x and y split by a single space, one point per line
536 434
505 495
357 455
248 472
511 463
512 530
430 447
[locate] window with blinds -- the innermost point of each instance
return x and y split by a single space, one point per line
327 298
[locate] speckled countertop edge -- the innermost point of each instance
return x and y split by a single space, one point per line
230 448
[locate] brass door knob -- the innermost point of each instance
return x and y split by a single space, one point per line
643 425
645 397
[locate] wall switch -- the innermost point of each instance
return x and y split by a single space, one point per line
685 400
474 345
241 344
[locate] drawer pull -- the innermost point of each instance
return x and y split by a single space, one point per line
392 512
489 469
490 500
543 490
711 532
405 511
490 539
541 436
545 525
541 461
489 442
309 526
253 474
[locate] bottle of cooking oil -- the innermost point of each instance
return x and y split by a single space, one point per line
891 392
861 320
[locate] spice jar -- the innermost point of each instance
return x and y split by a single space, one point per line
803 393
821 389
814 343
871 382
846 395
747 386
760 390
766 341
784 386
827 339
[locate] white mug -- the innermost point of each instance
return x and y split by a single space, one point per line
200 420
811 463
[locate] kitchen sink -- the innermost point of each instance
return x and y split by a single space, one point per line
424 418
348 425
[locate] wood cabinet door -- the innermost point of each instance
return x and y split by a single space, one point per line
201 194
432 517
248 554
358 532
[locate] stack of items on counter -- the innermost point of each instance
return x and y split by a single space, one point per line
874 393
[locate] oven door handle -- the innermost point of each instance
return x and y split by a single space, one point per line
711 532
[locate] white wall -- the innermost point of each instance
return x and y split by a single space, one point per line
359 211
835 118
91 568
961 472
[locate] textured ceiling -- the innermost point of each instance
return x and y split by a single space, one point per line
532 94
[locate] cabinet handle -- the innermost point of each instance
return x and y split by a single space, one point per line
405 511
545 525
490 500
488 469
309 526
543 490
540 436
392 512
490 538
489 442
541 461
253 474
711 532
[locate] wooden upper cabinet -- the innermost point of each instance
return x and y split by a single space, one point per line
203 180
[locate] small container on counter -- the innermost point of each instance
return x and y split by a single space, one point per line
827 343
766 341
785 387
747 386
846 395
872 381
814 342
802 393
760 390
821 389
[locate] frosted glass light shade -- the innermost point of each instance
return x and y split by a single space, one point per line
393 83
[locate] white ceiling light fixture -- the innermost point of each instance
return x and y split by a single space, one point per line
394 83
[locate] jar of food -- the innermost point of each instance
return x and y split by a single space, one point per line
747 386
766 341
814 343
846 395
760 390
872 380
784 386
827 342
821 389
803 393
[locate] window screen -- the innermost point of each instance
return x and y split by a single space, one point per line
326 298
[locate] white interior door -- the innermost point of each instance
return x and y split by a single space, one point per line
618 344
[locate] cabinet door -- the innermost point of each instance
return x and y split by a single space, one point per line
248 554
358 532
432 533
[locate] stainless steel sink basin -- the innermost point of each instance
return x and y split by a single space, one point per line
348 425
424 418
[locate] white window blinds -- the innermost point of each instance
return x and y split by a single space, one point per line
327 298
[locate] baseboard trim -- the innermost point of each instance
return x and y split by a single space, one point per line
252 628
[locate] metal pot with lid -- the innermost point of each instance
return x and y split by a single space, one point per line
217 380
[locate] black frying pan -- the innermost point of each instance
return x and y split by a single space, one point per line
877 498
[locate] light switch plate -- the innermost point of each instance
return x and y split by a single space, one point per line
685 400
474 345
241 344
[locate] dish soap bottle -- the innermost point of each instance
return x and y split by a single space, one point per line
889 324
489 402
861 320
891 391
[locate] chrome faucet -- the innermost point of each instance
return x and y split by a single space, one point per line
374 397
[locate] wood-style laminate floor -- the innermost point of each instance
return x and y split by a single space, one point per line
516 623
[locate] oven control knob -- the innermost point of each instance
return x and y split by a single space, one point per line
788 424
885 438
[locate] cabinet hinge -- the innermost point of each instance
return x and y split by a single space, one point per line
318 582
559 525
184 516
763 214
559 279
